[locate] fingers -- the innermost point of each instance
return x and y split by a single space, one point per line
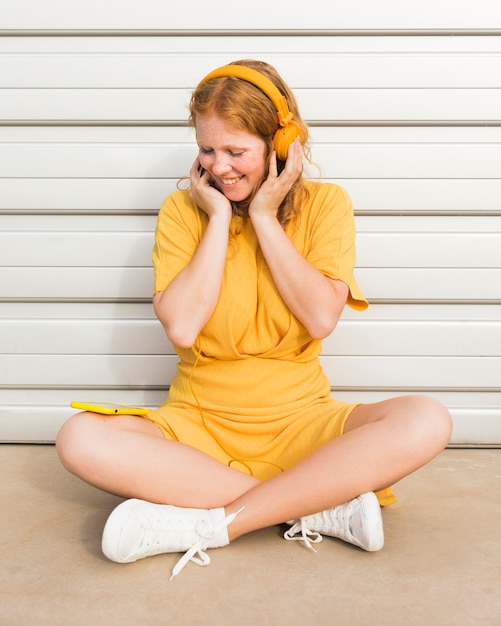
207 197
294 163
273 168
197 171
276 186
195 167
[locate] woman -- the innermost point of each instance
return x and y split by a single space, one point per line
253 267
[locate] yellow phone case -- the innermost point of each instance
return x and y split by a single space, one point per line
109 408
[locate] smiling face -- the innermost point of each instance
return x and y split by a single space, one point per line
235 159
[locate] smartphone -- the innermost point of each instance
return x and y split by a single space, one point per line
109 408
212 183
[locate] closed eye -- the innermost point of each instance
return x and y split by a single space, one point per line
232 153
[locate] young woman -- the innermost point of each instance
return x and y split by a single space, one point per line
253 267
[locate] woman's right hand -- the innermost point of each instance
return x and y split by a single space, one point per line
190 299
207 197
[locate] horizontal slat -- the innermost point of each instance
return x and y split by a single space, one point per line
352 337
141 195
113 311
409 372
53 397
155 14
471 401
381 284
141 223
427 249
345 134
414 338
81 249
73 195
76 283
376 225
476 427
414 284
344 372
144 311
337 105
83 336
383 312
471 427
87 371
84 160
234 45
36 424
128 249
100 223
47 399
142 70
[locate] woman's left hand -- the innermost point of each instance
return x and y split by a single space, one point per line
268 199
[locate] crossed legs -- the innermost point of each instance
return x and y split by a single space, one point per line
382 443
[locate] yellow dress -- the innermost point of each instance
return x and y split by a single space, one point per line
251 392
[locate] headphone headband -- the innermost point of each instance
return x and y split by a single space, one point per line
289 129
259 80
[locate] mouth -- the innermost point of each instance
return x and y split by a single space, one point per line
229 182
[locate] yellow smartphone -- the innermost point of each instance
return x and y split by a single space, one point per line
109 408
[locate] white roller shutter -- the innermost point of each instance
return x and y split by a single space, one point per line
405 112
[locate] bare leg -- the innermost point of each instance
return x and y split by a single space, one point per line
383 442
128 456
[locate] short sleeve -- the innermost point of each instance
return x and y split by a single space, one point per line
331 239
177 235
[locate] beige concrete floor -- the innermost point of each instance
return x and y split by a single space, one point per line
441 563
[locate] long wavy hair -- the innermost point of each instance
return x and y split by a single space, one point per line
247 108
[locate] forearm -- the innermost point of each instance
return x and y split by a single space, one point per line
188 302
316 300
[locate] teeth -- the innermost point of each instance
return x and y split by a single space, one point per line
231 181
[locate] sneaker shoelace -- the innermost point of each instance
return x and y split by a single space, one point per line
337 520
307 535
334 522
197 553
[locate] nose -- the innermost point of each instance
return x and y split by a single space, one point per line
221 164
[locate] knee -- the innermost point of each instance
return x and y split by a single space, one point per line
74 442
432 421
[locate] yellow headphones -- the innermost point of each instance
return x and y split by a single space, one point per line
289 129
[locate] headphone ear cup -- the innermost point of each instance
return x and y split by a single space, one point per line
283 139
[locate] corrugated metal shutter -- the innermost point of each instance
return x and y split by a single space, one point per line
405 110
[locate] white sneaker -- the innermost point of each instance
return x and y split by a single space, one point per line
358 522
137 529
